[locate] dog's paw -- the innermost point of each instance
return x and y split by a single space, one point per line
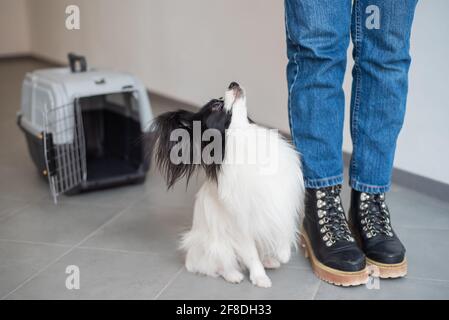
271 263
261 280
233 276
284 255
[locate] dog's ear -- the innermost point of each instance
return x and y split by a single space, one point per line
162 128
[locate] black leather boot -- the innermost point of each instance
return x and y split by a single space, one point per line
370 222
327 239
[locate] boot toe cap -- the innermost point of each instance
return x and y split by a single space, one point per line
388 252
348 261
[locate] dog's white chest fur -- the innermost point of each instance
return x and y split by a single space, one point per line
260 184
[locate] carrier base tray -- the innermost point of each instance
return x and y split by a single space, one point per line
104 168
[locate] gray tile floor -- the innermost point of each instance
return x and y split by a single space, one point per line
125 240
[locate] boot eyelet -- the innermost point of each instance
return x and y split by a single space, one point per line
364 196
320 194
329 243
320 203
321 213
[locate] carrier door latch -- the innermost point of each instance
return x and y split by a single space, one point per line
51 154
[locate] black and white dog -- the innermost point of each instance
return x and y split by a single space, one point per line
246 213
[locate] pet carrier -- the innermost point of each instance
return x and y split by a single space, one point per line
85 127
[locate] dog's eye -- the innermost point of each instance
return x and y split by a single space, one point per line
216 106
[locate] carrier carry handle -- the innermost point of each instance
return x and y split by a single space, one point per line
75 59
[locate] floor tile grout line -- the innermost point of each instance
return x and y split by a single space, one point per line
116 216
34 275
50 244
15 211
70 200
150 253
79 202
427 279
316 290
168 284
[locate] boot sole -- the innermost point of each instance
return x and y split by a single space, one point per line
386 270
331 275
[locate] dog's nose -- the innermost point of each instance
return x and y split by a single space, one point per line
233 85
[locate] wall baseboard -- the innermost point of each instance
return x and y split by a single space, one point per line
48 60
16 55
421 184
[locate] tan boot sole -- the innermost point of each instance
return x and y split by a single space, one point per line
385 270
334 276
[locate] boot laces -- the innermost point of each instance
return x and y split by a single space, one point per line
332 219
374 214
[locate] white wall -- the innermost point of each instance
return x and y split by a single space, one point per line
423 146
190 50
14 28
186 49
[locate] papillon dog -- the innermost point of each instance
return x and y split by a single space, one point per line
246 214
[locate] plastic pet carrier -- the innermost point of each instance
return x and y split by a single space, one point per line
85 127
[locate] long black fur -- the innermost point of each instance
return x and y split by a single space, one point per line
211 116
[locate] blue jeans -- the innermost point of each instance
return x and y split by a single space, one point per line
318 35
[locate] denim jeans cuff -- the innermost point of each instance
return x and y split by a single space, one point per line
324 182
368 188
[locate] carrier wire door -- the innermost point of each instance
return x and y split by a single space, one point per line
64 148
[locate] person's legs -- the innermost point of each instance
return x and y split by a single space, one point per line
381 36
380 32
317 40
